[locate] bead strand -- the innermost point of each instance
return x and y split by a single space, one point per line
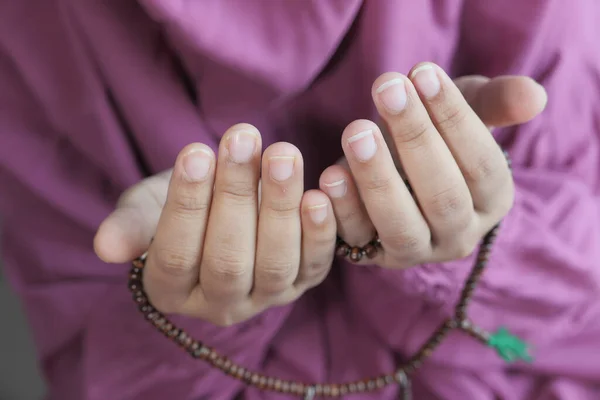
357 253
200 351
481 261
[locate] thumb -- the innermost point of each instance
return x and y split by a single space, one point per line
505 100
127 232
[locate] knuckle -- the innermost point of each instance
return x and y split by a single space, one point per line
413 135
276 275
227 266
379 184
483 169
447 204
409 245
238 192
453 117
175 263
188 201
283 208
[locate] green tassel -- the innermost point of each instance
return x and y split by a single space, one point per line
509 346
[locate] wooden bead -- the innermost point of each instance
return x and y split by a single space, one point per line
318 389
335 390
343 250
370 251
145 308
182 337
356 254
201 352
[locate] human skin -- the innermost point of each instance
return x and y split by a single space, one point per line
236 235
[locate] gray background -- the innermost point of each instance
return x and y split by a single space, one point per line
19 377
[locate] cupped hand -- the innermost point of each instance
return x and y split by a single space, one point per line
437 137
219 253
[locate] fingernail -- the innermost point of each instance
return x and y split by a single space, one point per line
318 213
242 146
197 164
393 95
281 168
336 189
426 80
363 145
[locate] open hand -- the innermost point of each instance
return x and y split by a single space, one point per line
217 253
439 138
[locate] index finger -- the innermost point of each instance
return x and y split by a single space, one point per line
171 270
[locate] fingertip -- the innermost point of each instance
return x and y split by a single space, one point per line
386 80
317 207
283 149
422 66
284 164
195 162
105 246
390 93
333 173
314 197
359 127
194 147
115 242
242 127
541 94
335 181
512 100
99 246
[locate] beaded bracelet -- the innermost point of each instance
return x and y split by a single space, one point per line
509 347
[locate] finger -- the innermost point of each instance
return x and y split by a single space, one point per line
229 249
470 85
479 157
435 178
318 240
399 222
126 233
353 223
279 227
172 267
503 101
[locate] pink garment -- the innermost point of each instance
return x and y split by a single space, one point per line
95 95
